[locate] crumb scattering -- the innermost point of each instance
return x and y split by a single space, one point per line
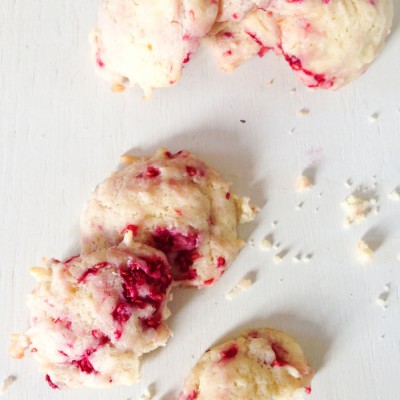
277 258
4 386
364 253
356 209
303 183
241 286
307 258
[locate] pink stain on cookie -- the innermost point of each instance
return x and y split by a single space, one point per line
227 195
228 34
209 282
221 262
92 271
84 365
173 155
280 355
133 228
65 322
308 390
99 61
187 58
71 259
229 353
152 172
50 382
191 170
319 80
192 395
263 48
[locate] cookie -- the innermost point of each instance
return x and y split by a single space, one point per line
93 316
259 365
175 203
147 42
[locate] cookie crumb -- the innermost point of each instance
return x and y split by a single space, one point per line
117 87
356 209
383 297
241 286
303 183
277 259
307 258
243 121
373 117
299 206
147 394
126 159
270 82
394 195
19 343
265 245
276 245
4 386
364 253
303 112
349 183
296 258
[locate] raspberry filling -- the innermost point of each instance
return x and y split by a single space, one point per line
145 282
192 395
84 365
50 382
133 228
229 353
280 355
92 271
180 249
320 80
173 155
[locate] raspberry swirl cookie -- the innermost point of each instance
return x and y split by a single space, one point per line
263 364
93 316
327 43
175 203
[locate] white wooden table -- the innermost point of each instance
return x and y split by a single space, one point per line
62 131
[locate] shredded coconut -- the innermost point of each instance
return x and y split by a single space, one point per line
7 383
241 286
303 183
364 253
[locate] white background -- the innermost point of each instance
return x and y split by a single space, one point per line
62 131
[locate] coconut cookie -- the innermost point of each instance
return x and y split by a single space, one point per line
93 316
175 203
263 364
147 42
